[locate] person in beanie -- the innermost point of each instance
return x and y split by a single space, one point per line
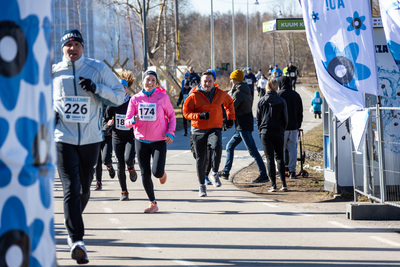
293 72
182 97
277 70
187 78
152 116
244 122
80 88
194 78
295 113
250 79
203 109
272 119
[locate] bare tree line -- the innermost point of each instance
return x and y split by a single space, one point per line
195 35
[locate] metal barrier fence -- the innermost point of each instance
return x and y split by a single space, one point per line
376 171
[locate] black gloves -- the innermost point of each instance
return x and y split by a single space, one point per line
228 123
178 103
205 115
87 85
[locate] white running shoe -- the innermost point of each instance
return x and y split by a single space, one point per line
202 190
214 177
78 252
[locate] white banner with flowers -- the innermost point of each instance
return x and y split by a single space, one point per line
390 14
26 135
340 37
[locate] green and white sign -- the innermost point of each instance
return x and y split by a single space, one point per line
290 24
286 24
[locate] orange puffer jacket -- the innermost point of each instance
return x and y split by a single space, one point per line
197 103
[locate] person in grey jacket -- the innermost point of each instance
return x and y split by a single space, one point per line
272 120
80 88
243 102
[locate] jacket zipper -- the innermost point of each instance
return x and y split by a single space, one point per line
76 94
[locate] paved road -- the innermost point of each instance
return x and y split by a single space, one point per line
230 227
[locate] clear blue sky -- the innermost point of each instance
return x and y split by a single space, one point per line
225 6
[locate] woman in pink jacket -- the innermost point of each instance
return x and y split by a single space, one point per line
152 116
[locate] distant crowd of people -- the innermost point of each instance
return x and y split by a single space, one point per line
96 115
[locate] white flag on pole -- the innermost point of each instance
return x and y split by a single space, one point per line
27 148
390 14
340 37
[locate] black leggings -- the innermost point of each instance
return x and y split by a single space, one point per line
75 166
273 149
125 152
146 151
104 156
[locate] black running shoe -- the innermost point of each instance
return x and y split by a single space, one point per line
224 175
132 175
99 186
111 171
260 180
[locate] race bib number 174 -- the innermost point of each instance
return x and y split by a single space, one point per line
147 111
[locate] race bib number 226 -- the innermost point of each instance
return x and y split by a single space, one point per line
76 109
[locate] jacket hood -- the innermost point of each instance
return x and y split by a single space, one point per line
284 83
316 94
243 87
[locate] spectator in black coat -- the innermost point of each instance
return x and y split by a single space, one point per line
295 113
272 119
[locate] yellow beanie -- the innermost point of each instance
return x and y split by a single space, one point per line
237 75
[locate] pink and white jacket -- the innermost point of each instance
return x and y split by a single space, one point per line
164 123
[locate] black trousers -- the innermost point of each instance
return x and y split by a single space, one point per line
273 149
146 151
75 166
293 81
125 152
104 156
201 141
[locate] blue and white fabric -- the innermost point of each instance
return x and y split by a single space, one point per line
390 14
27 151
340 37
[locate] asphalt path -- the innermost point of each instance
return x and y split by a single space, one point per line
229 227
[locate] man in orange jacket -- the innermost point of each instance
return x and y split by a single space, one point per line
203 109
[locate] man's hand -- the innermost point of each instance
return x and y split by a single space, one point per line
87 85
205 115
228 123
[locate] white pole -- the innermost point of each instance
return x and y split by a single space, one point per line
212 37
247 27
233 36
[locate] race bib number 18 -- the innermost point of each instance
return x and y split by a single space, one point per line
120 122
76 109
147 111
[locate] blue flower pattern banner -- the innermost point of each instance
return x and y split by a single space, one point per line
27 150
390 13
339 33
